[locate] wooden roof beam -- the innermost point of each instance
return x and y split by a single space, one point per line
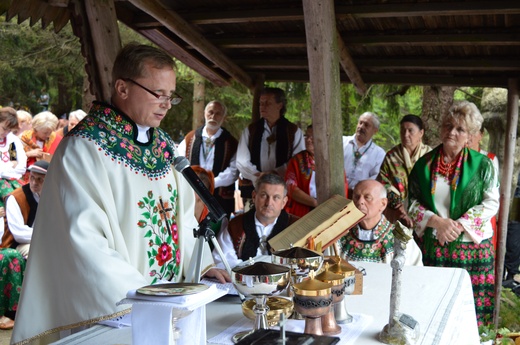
175 23
403 79
482 63
384 39
451 8
184 56
349 67
248 15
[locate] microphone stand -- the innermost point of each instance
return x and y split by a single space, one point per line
204 233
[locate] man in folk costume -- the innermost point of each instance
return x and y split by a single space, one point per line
20 210
247 234
362 157
212 147
372 239
267 144
127 223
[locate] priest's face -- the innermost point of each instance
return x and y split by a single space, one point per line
269 199
140 104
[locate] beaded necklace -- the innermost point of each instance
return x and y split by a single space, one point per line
357 154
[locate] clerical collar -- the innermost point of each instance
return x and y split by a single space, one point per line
142 136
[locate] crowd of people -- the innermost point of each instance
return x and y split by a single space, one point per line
128 222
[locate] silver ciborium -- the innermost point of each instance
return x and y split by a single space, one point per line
301 261
259 280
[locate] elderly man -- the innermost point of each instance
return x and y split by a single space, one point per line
373 239
21 207
212 147
362 157
247 234
267 144
129 224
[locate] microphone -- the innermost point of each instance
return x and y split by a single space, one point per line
182 165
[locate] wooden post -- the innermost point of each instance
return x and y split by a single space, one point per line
505 188
323 55
199 103
99 35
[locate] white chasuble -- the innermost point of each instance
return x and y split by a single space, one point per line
113 216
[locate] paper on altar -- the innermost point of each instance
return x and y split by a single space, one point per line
152 315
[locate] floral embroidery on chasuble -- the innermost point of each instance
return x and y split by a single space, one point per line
154 217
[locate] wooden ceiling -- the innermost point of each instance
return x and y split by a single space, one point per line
443 42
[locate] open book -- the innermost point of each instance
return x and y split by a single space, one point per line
325 224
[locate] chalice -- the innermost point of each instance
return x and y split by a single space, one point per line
340 266
328 322
259 280
312 299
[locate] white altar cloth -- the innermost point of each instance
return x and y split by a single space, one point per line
440 299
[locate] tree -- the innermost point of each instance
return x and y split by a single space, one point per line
32 58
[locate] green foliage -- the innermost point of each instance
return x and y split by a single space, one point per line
509 318
32 59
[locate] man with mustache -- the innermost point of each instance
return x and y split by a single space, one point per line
247 234
362 157
212 147
269 143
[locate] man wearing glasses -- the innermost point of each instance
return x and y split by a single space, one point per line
114 215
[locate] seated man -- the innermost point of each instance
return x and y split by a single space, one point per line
247 234
21 206
372 239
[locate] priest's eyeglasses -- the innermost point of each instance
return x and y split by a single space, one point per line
173 99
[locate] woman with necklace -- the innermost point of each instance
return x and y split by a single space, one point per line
453 196
13 159
398 164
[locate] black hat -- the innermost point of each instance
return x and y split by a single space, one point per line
39 167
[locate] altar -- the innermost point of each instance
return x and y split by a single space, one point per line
440 299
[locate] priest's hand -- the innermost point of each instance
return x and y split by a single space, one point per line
219 274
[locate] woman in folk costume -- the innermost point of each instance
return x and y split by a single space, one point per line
13 160
128 222
42 138
301 179
454 193
398 164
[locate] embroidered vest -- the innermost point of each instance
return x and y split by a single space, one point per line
225 147
243 233
28 205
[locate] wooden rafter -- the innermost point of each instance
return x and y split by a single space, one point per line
371 10
184 30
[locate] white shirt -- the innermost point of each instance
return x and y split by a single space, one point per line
226 244
7 170
206 159
22 233
267 153
367 166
